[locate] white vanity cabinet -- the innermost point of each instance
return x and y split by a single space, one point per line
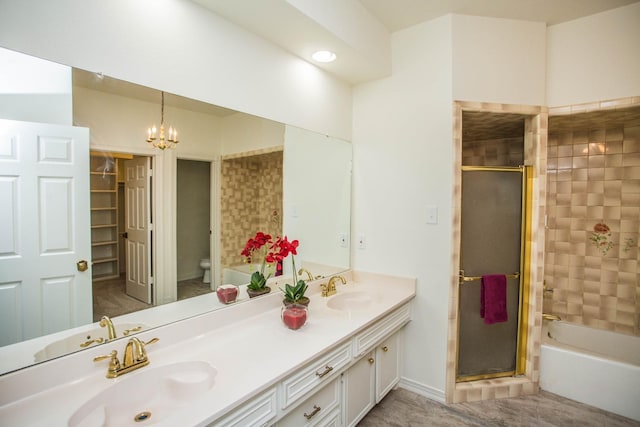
387 365
371 378
359 389
259 411
317 410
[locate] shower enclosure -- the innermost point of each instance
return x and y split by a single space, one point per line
493 236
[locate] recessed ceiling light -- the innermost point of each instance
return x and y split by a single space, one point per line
324 56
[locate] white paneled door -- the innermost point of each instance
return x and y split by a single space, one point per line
137 224
45 247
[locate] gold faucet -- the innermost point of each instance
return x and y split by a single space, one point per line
330 288
550 316
304 270
135 356
105 322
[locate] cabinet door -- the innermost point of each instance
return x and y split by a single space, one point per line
387 365
359 389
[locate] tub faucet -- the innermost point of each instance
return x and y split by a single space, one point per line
547 316
135 357
330 288
105 322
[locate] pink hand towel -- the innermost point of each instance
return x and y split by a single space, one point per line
493 298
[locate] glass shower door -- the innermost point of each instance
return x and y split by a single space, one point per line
491 243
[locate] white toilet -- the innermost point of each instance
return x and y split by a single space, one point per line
205 264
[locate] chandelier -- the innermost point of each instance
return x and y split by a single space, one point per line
162 141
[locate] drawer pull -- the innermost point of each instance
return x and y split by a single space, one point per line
316 409
385 348
327 369
371 360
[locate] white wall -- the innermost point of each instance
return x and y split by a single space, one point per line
242 132
499 60
594 58
120 123
34 90
182 48
403 158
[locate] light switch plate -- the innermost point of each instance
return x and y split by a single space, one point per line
432 214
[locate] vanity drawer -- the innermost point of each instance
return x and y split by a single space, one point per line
314 409
368 338
314 375
257 412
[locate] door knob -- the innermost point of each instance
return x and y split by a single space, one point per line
82 265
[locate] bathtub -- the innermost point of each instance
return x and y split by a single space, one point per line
592 366
241 274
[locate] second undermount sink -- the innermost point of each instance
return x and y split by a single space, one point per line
351 301
147 396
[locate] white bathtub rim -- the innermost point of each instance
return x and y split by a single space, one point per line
551 342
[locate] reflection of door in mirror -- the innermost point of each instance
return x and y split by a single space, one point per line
137 222
120 286
44 232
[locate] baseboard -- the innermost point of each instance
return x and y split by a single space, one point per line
422 389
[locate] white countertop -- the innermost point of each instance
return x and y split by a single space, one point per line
231 339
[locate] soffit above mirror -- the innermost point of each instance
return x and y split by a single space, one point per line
102 83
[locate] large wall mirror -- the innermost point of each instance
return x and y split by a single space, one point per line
232 174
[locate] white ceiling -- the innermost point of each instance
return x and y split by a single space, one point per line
359 30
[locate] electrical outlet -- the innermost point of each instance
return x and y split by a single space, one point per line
342 238
362 242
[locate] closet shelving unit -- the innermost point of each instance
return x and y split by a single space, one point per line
104 218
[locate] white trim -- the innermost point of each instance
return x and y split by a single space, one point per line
422 389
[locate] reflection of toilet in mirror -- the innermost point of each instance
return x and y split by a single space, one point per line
205 264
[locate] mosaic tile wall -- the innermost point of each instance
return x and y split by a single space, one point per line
251 187
533 150
593 224
493 152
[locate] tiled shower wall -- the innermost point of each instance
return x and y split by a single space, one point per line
593 225
494 152
251 188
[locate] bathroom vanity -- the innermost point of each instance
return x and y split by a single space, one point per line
239 366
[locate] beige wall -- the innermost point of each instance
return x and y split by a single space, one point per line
193 217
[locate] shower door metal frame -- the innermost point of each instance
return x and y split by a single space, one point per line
524 274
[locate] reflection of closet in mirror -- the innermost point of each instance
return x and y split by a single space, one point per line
193 226
251 187
103 171
114 292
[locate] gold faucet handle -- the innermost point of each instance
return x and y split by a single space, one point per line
128 331
92 341
151 341
114 363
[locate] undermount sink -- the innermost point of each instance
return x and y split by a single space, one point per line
147 396
73 343
351 301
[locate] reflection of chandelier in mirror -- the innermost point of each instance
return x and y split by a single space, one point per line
161 141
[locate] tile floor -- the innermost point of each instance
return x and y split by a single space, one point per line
402 408
110 298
